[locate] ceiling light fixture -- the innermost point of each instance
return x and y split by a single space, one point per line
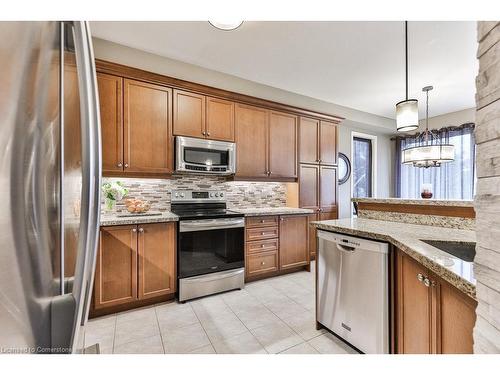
428 155
407 110
226 25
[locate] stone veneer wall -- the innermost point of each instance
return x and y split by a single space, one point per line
487 200
239 194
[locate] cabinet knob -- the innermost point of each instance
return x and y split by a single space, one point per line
262 245
126 165
420 277
208 134
204 133
262 263
119 165
262 221
141 230
319 161
134 230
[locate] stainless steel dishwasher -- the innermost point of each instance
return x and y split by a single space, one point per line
353 290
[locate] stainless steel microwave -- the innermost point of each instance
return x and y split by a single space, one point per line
194 155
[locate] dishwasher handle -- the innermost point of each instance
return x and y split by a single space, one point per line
345 248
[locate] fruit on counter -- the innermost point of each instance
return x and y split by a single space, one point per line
137 205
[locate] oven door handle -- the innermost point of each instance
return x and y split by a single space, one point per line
199 225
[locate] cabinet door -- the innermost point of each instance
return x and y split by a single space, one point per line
308 186
328 143
189 114
328 215
312 240
148 141
116 268
414 307
309 135
293 247
220 119
111 109
251 131
157 248
282 145
458 316
328 188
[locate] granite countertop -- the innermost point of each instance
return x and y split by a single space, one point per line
426 202
272 211
108 219
407 237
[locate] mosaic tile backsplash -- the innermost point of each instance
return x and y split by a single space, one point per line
239 194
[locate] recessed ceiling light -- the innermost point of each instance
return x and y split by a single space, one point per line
226 25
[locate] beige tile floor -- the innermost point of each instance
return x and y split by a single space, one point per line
274 315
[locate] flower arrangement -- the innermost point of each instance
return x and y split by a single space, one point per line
113 192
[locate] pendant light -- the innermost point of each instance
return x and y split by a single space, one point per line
428 155
407 110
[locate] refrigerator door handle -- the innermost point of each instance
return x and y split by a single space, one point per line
91 175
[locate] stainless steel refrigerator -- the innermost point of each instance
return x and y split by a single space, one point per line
50 172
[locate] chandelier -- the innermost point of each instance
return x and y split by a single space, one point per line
430 154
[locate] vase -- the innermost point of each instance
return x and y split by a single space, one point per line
110 204
426 191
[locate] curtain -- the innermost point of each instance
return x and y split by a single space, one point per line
453 180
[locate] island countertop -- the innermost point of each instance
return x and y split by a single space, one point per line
407 237
424 202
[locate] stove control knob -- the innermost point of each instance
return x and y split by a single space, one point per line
212 194
216 195
182 195
177 195
221 194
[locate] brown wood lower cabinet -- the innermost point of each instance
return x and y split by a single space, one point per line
134 263
432 316
294 251
274 244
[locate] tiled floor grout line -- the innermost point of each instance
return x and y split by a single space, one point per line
159 329
204 330
114 334
248 329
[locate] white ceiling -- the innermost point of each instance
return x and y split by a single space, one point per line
354 64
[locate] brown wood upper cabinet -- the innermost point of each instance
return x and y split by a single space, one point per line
266 143
432 315
283 129
199 116
134 262
111 109
147 129
318 141
293 247
135 126
318 187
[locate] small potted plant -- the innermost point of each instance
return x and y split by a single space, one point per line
113 192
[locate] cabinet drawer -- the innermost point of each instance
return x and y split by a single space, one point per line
262 246
255 234
260 263
262 221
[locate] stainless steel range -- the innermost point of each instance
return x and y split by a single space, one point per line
210 247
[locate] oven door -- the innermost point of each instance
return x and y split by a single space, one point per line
210 245
205 156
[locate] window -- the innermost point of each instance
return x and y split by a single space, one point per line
453 180
362 166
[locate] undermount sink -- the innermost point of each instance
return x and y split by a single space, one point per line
463 250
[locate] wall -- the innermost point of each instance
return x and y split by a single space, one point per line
355 120
384 168
239 194
487 201
450 119
120 54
